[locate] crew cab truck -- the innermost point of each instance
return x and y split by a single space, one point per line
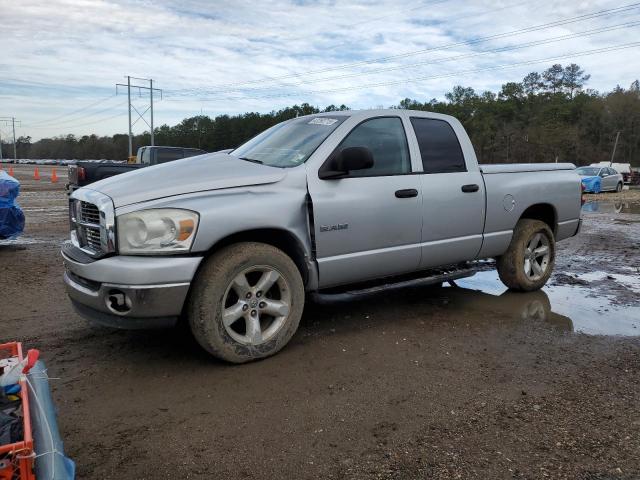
83 173
314 203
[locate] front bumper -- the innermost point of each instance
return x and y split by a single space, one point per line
126 291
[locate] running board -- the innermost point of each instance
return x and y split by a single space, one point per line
425 277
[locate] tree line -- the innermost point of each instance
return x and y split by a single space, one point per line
546 117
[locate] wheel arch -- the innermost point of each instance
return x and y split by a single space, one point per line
280 238
545 212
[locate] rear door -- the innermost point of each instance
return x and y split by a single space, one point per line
368 224
453 204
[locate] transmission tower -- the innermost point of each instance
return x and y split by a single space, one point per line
131 106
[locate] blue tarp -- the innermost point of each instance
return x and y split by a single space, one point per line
11 216
51 462
592 184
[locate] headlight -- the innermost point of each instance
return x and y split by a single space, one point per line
156 231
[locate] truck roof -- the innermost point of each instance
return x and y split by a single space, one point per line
384 111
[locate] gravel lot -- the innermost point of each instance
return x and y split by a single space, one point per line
414 382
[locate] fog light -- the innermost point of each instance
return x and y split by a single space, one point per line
118 302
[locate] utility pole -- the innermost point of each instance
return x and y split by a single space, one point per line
5 121
131 106
151 98
129 103
615 145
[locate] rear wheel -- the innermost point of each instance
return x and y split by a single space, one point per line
528 262
246 302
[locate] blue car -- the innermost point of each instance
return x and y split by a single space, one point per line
600 179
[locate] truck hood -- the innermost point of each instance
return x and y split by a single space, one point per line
195 174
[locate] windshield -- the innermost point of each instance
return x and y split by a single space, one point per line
288 144
588 171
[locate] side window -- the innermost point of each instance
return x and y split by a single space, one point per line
439 146
168 154
145 156
387 141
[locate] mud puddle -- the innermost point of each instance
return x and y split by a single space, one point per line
578 307
600 314
608 206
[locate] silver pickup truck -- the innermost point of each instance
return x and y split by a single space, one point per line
231 241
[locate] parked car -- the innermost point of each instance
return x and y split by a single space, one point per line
600 179
84 173
622 168
318 202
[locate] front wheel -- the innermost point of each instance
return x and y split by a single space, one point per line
246 303
528 262
619 187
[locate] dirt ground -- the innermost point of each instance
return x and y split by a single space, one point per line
465 382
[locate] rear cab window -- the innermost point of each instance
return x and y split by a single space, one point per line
164 155
439 146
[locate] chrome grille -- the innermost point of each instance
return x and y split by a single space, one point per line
92 222
89 213
92 235
87 226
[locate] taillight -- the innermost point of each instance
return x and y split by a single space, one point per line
82 174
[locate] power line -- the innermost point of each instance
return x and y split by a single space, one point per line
451 74
556 23
545 41
81 109
87 115
276 79
99 120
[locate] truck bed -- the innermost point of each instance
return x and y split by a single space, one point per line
489 169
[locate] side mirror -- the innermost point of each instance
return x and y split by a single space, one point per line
603 174
346 160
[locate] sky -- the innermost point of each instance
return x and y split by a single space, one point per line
61 59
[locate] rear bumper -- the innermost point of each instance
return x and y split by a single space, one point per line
130 292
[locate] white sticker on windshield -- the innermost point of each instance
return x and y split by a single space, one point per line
323 121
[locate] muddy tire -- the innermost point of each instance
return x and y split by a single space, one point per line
246 302
528 262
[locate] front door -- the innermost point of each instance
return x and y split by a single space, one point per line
610 180
368 224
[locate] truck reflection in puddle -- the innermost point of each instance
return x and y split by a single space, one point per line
590 312
483 298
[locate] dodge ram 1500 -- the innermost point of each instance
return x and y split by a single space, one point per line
313 203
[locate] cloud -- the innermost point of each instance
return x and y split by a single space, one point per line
62 55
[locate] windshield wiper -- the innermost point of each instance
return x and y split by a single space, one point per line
253 160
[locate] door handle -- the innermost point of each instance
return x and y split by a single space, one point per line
472 187
407 193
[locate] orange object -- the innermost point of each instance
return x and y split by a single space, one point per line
11 171
54 177
19 457
36 174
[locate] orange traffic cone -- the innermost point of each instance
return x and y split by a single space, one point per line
11 171
54 177
36 174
